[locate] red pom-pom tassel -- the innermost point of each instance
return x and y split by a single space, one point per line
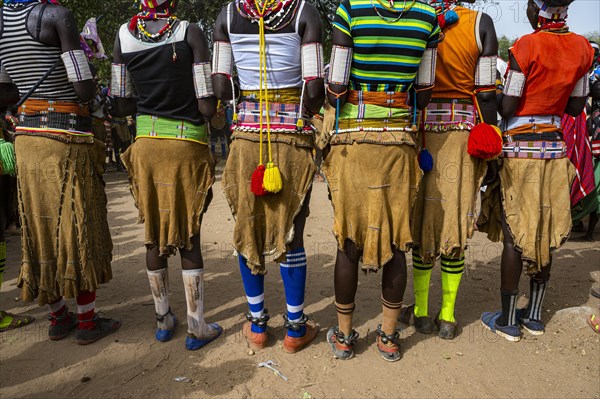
485 141
256 186
441 21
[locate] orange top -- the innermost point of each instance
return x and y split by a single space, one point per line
552 64
457 57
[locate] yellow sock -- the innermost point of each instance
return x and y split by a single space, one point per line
421 278
452 270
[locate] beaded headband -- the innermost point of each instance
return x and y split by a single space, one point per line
553 13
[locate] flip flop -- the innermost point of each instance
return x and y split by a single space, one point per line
16 322
594 322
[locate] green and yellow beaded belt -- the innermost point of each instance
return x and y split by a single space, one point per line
158 127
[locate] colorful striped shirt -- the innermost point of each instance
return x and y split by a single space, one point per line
387 52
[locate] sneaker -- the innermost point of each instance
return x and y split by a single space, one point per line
102 328
166 334
256 341
296 344
511 333
192 343
342 346
388 346
61 326
534 327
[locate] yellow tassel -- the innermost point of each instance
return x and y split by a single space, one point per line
272 181
300 123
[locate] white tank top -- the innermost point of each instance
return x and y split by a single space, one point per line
284 69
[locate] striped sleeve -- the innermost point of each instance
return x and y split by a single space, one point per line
342 20
434 37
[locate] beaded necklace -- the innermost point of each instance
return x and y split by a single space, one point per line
167 29
549 25
390 8
274 15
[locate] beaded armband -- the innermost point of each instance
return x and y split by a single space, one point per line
312 61
202 80
341 62
426 72
514 83
222 59
121 84
582 87
77 66
485 72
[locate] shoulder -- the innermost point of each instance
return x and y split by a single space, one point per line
524 41
424 7
60 12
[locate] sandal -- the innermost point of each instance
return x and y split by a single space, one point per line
390 353
341 345
17 321
594 322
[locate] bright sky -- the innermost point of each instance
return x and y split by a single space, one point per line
510 19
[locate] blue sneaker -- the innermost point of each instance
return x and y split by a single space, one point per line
534 327
192 343
511 333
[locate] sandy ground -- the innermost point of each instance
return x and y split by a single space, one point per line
564 362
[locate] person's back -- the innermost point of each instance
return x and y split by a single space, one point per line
550 80
162 73
27 55
66 253
530 208
380 51
444 216
387 45
457 57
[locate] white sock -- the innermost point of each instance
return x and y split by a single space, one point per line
159 285
193 282
56 306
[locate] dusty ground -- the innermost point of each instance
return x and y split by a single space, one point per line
564 362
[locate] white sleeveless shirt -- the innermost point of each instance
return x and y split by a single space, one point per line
284 69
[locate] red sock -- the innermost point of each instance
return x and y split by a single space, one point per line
57 309
86 302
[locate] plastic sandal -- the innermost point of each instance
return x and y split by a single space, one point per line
17 321
594 322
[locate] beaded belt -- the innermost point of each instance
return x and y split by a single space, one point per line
283 118
155 127
442 115
535 149
532 122
63 120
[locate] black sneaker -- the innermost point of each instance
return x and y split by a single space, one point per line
61 326
103 327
